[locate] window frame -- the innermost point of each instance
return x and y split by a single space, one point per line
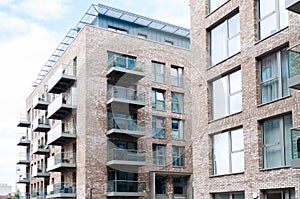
231 195
178 156
156 72
155 101
177 102
154 121
288 193
179 131
157 156
178 79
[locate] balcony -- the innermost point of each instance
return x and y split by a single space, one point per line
61 106
293 5
23 178
24 121
125 188
294 64
295 134
61 161
41 102
125 69
39 171
40 148
60 135
38 194
135 128
40 124
125 157
62 80
24 140
127 96
63 190
24 158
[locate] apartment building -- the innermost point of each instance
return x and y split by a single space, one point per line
110 115
248 65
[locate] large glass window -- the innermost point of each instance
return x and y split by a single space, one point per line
179 186
177 129
274 76
158 127
229 196
228 152
160 185
214 4
177 76
279 194
158 100
177 102
159 154
178 156
276 141
158 71
272 16
227 95
225 39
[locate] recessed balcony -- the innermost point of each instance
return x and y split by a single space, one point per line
24 140
126 188
295 134
62 80
61 134
40 124
61 106
39 171
38 194
135 128
61 161
125 158
40 148
23 158
125 69
125 96
293 5
63 190
41 102
24 121
23 178
294 64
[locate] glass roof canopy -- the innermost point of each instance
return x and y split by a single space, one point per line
90 16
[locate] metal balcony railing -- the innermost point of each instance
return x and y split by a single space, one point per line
39 170
126 155
38 193
294 60
126 186
61 188
125 62
118 92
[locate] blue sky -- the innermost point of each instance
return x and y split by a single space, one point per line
30 30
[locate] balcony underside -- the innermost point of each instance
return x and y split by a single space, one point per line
62 139
61 167
119 74
64 83
41 152
126 194
42 128
24 124
127 132
293 5
41 105
23 181
62 195
62 112
41 175
26 162
294 82
24 143
131 104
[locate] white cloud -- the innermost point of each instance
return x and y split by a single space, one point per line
12 24
43 10
5 2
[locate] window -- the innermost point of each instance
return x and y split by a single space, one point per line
179 186
272 17
177 76
158 100
143 36
276 141
177 102
214 4
227 95
159 154
178 156
158 127
229 196
117 29
228 152
160 185
177 129
225 39
279 194
274 71
169 42
158 72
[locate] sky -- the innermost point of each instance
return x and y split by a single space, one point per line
30 31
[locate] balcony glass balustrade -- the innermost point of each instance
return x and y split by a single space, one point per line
61 134
61 161
126 188
136 128
61 190
61 106
125 95
41 124
294 65
62 79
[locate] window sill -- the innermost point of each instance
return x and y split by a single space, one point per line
213 66
214 120
273 101
158 138
266 38
179 167
274 168
228 174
